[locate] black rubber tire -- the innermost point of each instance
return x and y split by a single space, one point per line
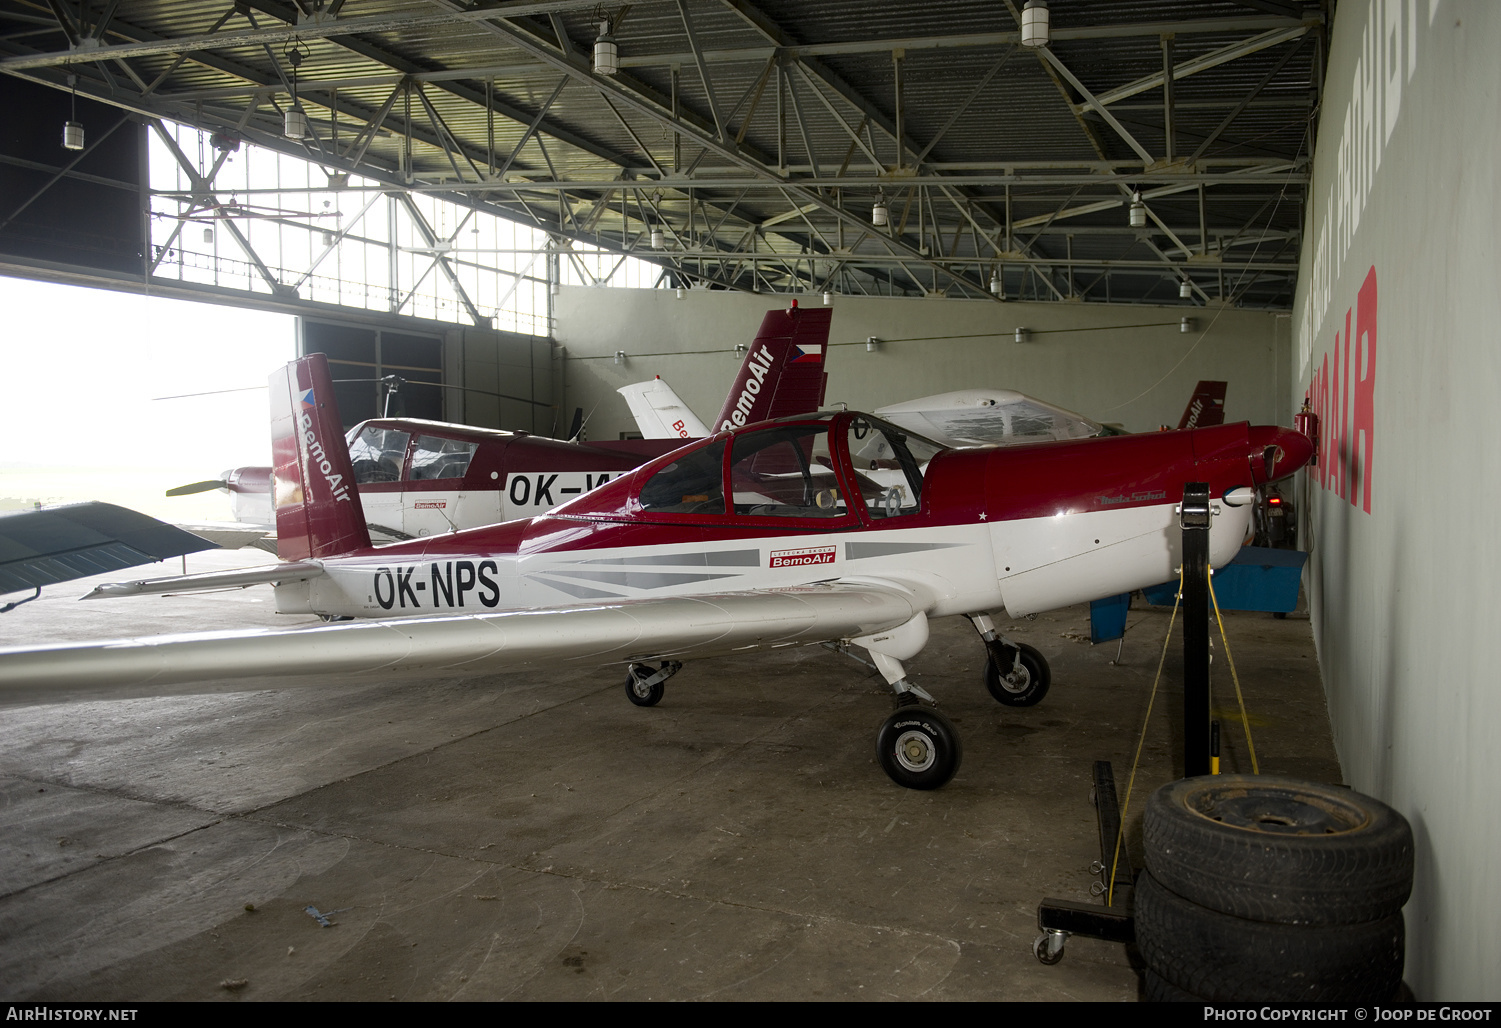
1038 676
1225 959
1157 989
1279 850
643 695
918 748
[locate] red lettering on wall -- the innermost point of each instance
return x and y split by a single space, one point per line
1363 426
1343 395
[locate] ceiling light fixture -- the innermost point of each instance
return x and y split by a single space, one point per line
997 287
658 240
619 356
1186 289
828 298
294 119
1138 212
606 53
1186 325
1021 335
679 292
1035 24
73 128
871 342
880 214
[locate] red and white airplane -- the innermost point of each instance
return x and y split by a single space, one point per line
775 534
419 478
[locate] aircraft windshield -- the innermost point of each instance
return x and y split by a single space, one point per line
692 484
377 455
441 458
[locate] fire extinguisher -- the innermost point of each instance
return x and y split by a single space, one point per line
1307 422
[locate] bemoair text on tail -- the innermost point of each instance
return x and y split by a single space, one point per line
318 511
783 372
1206 408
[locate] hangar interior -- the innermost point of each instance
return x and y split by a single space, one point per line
552 199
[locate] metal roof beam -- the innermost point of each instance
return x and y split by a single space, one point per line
1212 59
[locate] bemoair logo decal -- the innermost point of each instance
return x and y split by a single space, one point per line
747 398
312 449
430 504
441 584
803 557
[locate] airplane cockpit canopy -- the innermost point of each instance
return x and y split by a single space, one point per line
840 467
990 417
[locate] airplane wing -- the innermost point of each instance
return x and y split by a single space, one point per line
659 413
75 540
659 628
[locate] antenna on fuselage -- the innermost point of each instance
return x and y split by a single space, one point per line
579 423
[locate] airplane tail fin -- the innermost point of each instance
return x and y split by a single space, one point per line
318 511
659 413
1206 407
783 371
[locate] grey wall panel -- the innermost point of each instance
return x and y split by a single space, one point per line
1397 317
1127 364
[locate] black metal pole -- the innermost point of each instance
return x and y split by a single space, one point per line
1194 520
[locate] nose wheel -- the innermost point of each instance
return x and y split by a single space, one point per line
1016 676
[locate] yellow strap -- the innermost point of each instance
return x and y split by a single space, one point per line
1245 719
1131 781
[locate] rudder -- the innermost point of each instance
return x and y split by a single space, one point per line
783 373
318 510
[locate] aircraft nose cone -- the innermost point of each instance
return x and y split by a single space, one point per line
1294 450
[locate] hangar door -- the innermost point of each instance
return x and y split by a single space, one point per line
360 359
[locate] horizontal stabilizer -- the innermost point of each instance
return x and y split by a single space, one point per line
658 628
76 540
660 413
300 571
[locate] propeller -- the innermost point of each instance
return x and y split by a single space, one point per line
199 487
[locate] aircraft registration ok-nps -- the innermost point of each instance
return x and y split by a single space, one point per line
833 527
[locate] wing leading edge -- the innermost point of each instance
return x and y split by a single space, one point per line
649 629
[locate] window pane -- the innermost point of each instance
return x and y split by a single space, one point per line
377 454
786 472
889 466
440 458
689 485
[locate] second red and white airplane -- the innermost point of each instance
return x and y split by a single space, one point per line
833 527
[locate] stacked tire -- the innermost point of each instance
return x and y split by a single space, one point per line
1264 889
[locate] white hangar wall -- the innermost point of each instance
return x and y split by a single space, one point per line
1128 364
1400 258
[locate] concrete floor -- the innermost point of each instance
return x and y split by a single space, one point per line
540 838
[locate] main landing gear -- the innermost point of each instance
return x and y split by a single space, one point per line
645 684
916 746
1015 674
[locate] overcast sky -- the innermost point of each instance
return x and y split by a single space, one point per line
82 367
